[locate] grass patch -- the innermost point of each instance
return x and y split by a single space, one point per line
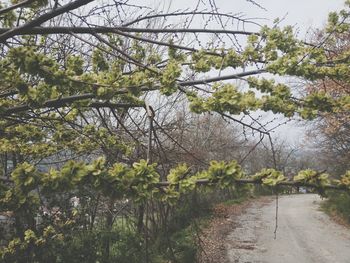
338 205
235 201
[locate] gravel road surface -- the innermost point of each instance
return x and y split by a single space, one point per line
305 234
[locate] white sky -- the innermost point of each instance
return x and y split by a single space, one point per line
303 13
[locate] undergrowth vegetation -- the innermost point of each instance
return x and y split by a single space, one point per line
339 204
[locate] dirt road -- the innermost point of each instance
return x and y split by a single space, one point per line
305 234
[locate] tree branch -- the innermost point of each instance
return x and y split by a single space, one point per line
190 13
61 102
43 18
103 30
18 5
221 78
239 181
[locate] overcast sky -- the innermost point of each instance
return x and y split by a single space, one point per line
302 13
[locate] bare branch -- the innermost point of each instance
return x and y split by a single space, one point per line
43 18
104 30
15 6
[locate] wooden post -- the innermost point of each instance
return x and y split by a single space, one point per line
150 115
